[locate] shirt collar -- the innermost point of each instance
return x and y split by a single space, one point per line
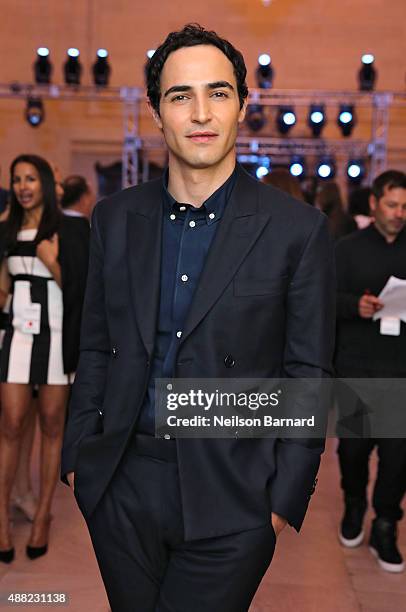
212 208
374 231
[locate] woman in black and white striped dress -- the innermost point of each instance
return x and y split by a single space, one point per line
44 268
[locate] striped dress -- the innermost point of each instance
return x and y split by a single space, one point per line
25 357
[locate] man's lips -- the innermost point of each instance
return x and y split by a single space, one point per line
202 136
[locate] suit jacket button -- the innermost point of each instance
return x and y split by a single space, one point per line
229 361
114 351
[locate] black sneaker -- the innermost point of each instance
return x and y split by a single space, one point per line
351 532
382 544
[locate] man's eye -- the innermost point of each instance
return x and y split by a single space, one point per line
180 97
220 94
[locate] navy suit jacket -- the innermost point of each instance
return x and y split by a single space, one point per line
266 297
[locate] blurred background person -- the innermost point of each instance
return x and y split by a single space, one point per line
78 199
22 496
367 349
44 266
329 200
283 180
358 206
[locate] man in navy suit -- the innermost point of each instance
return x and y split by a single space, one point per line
204 274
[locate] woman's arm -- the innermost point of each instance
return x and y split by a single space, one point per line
5 283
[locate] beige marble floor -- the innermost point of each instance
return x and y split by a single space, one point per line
311 572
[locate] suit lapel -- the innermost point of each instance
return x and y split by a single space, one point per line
144 231
238 231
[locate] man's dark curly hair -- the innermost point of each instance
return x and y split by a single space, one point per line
191 35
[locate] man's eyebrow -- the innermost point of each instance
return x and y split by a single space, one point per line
177 88
185 88
218 84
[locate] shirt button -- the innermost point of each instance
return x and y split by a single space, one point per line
182 208
192 223
184 277
229 361
114 351
167 437
172 217
178 333
169 386
211 216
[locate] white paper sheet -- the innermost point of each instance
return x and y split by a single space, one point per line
393 296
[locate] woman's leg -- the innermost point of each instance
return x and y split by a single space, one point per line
52 400
22 495
15 406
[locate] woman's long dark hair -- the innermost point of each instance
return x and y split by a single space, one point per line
51 214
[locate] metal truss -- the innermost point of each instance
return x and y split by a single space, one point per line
375 148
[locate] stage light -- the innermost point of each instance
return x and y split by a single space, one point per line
34 112
285 119
150 53
255 117
72 67
297 166
264 72
101 68
367 74
42 67
317 118
261 171
355 171
346 119
326 168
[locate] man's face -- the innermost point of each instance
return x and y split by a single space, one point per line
199 106
390 211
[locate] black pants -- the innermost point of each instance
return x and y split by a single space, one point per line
146 566
390 482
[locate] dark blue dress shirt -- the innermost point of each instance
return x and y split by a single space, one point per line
187 233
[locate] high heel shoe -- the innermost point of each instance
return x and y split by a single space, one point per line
33 552
7 556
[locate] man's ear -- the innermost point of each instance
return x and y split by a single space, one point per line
372 203
155 114
241 115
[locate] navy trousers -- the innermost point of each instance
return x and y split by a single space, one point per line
146 566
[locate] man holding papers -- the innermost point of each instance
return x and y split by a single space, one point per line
371 344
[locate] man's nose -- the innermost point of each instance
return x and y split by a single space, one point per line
201 112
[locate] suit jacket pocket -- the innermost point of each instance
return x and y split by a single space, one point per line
254 286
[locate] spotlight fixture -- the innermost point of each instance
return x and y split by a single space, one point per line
326 168
346 119
285 119
72 67
367 74
42 67
101 68
297 167
317 118
264 73
34 112
355 171
255 117
261 171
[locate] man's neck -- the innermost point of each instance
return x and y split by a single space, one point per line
195 186
77 208
388 237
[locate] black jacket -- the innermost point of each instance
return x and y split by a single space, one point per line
73 257
365 261
266 297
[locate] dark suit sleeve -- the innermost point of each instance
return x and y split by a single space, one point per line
347 302
308 354
88 389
